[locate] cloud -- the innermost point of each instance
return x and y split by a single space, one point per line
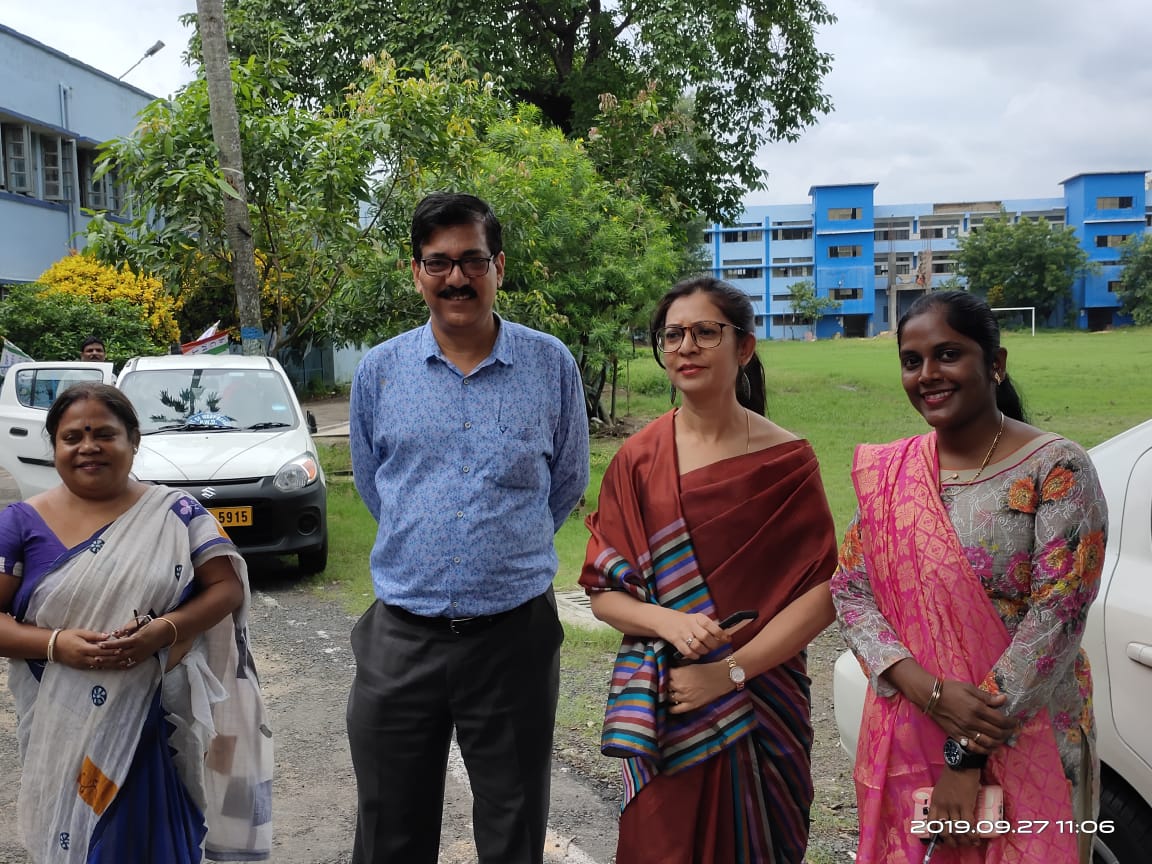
982 99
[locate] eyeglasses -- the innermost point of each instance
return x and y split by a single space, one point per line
705 334
470 267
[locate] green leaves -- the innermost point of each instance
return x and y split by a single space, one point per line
1136 279
1025 263
734 73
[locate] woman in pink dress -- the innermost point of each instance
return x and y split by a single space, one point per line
963 587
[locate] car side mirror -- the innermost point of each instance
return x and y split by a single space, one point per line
311 422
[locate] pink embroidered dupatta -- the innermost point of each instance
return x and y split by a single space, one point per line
928 592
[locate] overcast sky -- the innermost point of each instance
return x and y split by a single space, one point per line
964 100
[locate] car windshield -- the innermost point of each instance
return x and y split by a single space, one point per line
190 399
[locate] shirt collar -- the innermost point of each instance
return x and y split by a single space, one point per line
503 352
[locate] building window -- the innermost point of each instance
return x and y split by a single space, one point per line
97 194
840 214
1114 202
844 251
1113 286
892 234
791 233
14 153
791 272
742 273
56 168
741 236
1111 241
931 233
845 293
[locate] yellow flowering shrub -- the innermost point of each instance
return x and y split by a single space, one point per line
84 276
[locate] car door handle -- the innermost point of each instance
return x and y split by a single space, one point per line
18 431
1141 653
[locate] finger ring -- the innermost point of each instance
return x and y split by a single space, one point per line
689 641
964 742
129 662
976 737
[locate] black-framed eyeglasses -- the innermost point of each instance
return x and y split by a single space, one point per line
705 334
471 267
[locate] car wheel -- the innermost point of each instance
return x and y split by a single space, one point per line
314 560
1129 817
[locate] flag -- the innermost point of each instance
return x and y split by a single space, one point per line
211 331
9 356
216 343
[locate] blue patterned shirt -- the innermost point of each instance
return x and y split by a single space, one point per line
469 476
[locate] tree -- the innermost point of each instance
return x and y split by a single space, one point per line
85 277
51 325
329 191
737 73
217 70
807 305
1136 280
333 191
1026 263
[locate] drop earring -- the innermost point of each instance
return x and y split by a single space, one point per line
672 394
743 386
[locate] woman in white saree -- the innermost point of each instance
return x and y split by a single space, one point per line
142 731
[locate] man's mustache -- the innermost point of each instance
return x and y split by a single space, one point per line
456 292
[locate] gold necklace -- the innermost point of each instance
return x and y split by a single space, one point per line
955 475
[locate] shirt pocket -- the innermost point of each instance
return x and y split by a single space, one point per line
517 457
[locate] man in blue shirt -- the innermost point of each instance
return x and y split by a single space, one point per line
469 445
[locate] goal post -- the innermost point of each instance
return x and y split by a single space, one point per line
1029 309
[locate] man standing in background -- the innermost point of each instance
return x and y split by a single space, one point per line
92 350
469 445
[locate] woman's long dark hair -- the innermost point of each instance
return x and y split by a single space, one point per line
737 308
971 317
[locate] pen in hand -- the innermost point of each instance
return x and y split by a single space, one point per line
931 848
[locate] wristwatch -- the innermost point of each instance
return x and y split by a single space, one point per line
959 759
736 672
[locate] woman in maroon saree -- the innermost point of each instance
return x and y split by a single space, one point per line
709 510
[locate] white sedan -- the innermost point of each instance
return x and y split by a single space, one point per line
1118 639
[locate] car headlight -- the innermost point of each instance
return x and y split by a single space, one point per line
297 474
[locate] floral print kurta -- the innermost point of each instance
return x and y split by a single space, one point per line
1033 528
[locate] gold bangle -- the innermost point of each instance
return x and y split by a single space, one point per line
52 643
937 689
175 632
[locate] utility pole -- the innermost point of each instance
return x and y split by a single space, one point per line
226 134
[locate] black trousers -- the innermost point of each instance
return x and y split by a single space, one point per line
497 688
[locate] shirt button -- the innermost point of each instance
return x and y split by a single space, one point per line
459 514
456 560
455 605
467 382
466 469
468 424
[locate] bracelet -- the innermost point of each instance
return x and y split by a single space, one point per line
52 643
937 689
175 632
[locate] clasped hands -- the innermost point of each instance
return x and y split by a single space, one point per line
123 648
973 718
694 635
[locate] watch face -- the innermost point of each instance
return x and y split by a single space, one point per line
736 673
953 753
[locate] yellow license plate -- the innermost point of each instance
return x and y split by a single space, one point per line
232 517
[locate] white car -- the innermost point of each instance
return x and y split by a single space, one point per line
1118 639
225 428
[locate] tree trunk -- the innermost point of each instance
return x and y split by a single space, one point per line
226 134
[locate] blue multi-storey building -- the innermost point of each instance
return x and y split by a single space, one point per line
54 112
875 259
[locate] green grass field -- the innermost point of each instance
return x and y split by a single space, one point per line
837 394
